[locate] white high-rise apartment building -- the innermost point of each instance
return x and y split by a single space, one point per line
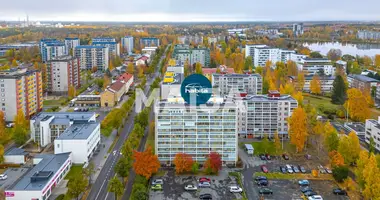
92 56
54 50
110 43
261 54
238 83
297 29
313 66
127 44
70 44
372 130
196 131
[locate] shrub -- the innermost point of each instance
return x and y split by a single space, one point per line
340 173
195 168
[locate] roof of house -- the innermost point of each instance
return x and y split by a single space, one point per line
79 131
213 70
125 77
15 152
363 78
42 173
63 117
116 86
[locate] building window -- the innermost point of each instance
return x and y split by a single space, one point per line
3 109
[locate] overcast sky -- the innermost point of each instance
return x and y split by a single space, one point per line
189 10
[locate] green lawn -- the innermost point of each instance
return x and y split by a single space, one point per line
3 60
261 148
57 102
74 171
319 101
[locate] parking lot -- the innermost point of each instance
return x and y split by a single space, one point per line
173 187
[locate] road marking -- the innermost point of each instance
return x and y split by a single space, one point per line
100 189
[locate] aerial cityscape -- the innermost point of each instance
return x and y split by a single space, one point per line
167 100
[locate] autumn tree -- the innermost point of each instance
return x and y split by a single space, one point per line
14 63
140 71
349 148
298 128
116 187
287 89
186 68
122 167
367 61
183 162
356 105
371 175
4 137
331 137
315 85
334 54
130 68
377 60
339 93
213 163
292 69
146 163
300 81
299 97
77 185
94 69
106 81
71 92
198 68
248 63
317 135
111 65
277 143
1 153
336 159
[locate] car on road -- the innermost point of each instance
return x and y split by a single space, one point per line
306 189
285 156
303 183
157 181
191 188
262 183
295 169
328 170
205 196
204 184
315 197
267 156
3 176
204 179
283 169
264 168
262 157
156 187
236 189
339 191
309 193
265 191
289 168
259 178
302 169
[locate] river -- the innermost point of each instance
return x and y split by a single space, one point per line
346 48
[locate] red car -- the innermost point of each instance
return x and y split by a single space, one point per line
264 168
204 179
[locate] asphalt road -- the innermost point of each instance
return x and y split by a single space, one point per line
99 188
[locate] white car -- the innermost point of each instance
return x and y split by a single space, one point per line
289 169
3 176
235 189
315 197
204 184
190 188
158 182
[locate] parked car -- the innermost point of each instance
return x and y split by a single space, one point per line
265 191
264 169
259 178
191 188
204 184
262 157
156 187
315 197
321 169
302 169
328 170
235 189
309 193
10 125
262 183
76 109
303 183
285 156
295 169
205 196
306 189
158 182
204 179
97 115
267 156
289 168
283 169
3 176
339 191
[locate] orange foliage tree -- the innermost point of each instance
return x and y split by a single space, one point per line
146 163
336 159
182 162
213 162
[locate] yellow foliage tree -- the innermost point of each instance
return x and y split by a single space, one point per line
130 68
299 97
287 89
349 148
377 60
14 63
298 128
300 81
315 85
336 159
371 175
106 82
71 92
356 105
140 71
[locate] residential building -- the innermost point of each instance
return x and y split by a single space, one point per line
62 73
92 56
357 127
47 126
38 183
83 100
265 114
326 83
81 139
150 42
183 53
286 55
240 32
212 40
361 82
368 35
197 131
190 39
176 69
208 72
297 29
70 44
16 156
143 60
171 85
112 94
127 79
42 46
20 89
51 48
262 53
372 130
149 50
110 43
321 66
342 65
237 83
127 44
297 57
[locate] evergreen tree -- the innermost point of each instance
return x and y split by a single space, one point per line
339 93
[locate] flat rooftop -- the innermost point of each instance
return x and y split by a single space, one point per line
363 78
49 165
79 131
237 75
356 126
15 152
63 117
269 99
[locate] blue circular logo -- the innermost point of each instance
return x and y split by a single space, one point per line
196 89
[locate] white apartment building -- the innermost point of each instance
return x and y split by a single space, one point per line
110 43
265 114
81 139
188 39
297 57
92 56
372 129
70 44
237 83
127 44
326 82
62 73
196 131
262 53
313 66
54 50
298 29
45 127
